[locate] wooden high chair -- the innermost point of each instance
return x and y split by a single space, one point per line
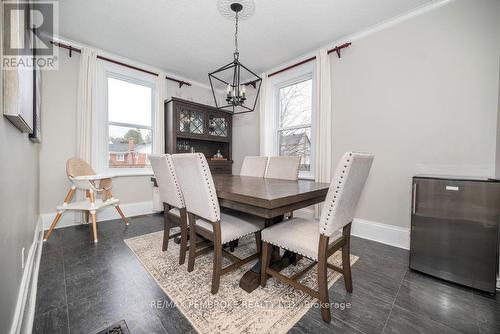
84 178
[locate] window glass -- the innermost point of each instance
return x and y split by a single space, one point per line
294 135
130 135
129 102
296 142
295 104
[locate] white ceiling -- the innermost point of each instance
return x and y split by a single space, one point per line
191 38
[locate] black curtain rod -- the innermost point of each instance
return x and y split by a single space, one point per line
73 49
336 49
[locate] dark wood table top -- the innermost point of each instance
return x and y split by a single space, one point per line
267 198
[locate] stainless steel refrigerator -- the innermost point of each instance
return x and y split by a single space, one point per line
454 229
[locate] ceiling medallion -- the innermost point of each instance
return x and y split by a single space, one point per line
229 82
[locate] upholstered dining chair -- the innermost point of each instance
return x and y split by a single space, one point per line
318 240
173 201
254 166
83 177
283 167
205 218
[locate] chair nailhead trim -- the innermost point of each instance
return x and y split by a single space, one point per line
174 179
291 250
331 210
205 168
244 235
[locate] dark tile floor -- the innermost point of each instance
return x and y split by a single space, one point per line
83 287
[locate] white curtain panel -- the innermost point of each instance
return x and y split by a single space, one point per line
85 110
265 116
158 138
86 101
323 133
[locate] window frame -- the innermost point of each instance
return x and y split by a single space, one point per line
109 70
300 74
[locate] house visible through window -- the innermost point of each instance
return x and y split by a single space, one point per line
130 110
294 126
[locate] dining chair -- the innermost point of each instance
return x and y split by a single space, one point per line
205 218
283 167
254 166
83 177
318 240
173 201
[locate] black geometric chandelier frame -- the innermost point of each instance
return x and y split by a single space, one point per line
235 77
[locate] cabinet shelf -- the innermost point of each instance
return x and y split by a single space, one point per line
204 138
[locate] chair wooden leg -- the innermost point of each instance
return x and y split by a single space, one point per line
217 257
192 242
258 242
94 225
166 227
346 258
86 216
264 262
67 199
346 267
120 212
323 279
217 268
184 237
52 226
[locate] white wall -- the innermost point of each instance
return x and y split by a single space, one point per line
423 97
18 208
497 164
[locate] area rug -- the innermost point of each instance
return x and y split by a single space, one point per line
273 309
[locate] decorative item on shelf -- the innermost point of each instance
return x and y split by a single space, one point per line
234 77
218 156
192 149
183 146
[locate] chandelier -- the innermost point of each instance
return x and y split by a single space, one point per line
230 82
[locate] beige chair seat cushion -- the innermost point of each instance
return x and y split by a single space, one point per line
234 226
297 235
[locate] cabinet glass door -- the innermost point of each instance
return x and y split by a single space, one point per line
217 126
191 122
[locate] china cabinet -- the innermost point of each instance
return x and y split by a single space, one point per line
195 127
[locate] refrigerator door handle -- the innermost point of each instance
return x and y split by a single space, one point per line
414 199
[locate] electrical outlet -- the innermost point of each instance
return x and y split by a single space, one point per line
22 258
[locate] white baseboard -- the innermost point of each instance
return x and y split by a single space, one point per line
70 218
25 307
386 234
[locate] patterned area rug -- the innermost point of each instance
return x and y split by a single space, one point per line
273 309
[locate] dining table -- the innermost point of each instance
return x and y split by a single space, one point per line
269 199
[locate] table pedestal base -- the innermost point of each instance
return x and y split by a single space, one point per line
251 279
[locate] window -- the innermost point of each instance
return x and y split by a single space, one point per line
294 121
130 121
